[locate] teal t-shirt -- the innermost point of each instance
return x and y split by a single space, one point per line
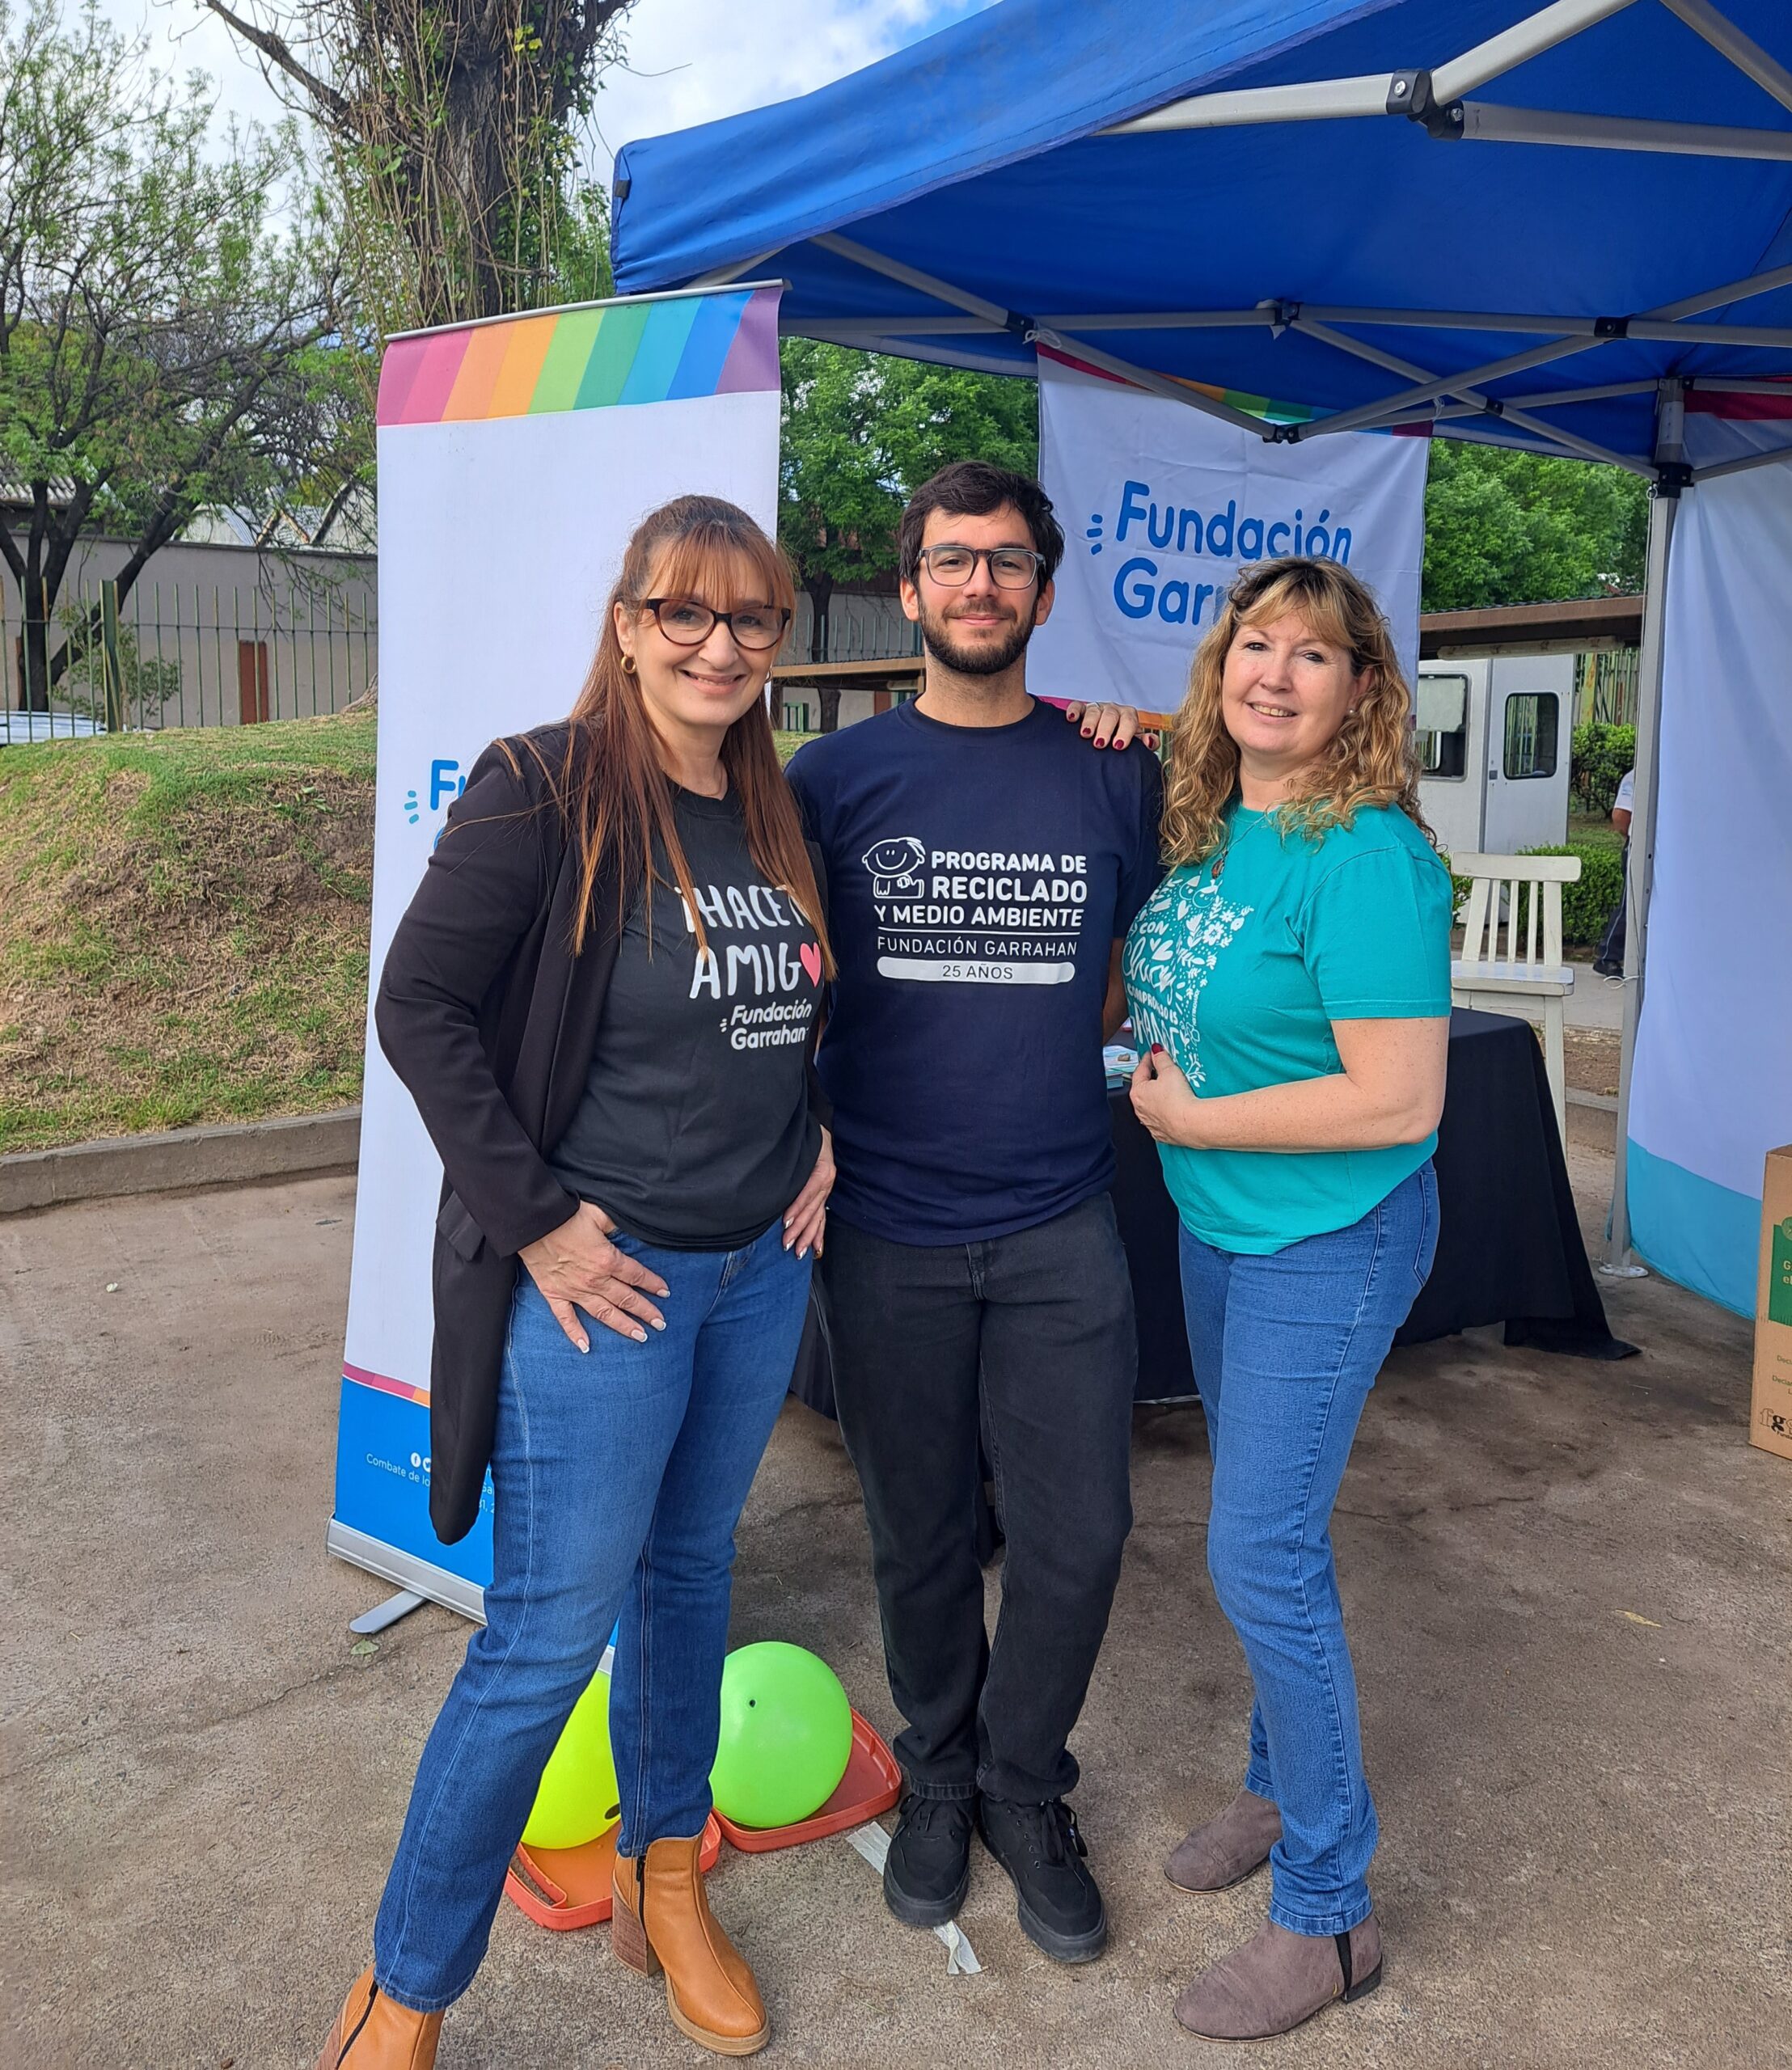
1238 966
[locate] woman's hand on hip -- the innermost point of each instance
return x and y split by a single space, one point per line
576 1266
805 1219
1164 1100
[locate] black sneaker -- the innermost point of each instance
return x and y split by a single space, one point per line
1059 1905
928 1870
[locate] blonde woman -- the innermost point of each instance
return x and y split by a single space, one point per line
1289 984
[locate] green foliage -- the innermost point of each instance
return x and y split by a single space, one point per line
1599 756
1586 907
862 431
145 685
163 345
1506 527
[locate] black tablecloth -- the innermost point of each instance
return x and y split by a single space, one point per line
1509 1244
1509 1247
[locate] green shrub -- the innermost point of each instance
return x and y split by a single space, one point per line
1586 907
1599 756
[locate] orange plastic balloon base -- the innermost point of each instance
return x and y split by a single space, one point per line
563 1887
871 1784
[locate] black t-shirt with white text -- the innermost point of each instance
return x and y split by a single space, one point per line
694 1132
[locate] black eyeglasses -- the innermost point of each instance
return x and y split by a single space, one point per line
1010 567
686 623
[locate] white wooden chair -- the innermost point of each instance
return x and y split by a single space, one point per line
1503 892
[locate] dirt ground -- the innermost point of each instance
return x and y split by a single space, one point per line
1570 1590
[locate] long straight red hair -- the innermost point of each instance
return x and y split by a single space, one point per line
612 786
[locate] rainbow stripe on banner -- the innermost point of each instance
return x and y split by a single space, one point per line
650 350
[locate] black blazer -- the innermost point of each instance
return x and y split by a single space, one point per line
488 1018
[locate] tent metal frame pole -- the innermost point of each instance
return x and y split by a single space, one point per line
1374 93
1670 451
1586 333
1717 30
912 277
1492 122
1306 100
1519 44
1158 384
975 305
1779 385
726 277
1740 465
1503 411
1560 398
1368 415
1536 325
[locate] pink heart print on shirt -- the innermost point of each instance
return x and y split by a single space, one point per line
811 954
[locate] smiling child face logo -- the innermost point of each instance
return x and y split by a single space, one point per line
893 865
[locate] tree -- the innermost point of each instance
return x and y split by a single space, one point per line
160 347
450 123
861 432
1506 527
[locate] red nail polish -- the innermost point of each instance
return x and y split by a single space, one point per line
1087 731
1157 1049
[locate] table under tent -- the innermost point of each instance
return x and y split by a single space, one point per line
1566 228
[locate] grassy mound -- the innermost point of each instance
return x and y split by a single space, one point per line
184 926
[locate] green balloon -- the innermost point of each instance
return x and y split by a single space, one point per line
786 1736
578 1798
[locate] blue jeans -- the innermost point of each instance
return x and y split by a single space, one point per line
618 1477
1286 1348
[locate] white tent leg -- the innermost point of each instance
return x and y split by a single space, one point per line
1640 876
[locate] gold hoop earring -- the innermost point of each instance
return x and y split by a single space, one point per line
628 665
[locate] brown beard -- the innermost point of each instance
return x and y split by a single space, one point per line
976 661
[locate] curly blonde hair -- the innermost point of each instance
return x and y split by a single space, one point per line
1370 760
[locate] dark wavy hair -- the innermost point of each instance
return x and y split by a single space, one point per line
973 489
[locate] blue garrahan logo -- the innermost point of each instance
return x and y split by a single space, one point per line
447 781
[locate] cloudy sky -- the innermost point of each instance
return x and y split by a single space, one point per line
689 59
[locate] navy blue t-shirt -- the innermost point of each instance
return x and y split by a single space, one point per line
978 879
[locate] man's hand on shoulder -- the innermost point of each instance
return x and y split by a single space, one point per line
1110 725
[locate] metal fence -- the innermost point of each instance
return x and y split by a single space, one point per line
1605 687
859 628
189 654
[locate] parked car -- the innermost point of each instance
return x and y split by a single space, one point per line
21 729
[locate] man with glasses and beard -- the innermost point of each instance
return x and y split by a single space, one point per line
984 867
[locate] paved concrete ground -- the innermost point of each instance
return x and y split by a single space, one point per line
1570 1590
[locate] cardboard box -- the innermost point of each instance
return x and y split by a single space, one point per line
1770 1415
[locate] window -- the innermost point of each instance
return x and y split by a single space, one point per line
1531 726
1440 712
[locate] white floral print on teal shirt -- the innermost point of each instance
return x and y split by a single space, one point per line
1170 954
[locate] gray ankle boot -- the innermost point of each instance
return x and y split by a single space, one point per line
1279 1979
1229 1849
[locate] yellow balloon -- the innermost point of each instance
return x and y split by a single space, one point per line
578 1799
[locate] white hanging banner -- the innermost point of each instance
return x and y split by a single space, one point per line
1712 1089
515 460
1162 506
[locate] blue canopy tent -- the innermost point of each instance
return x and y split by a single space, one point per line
1292 201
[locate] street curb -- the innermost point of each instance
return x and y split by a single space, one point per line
223 1156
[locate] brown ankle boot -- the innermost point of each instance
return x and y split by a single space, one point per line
372 2032
661 1920
1227 1849
1280 1978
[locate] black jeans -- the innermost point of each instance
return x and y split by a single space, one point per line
1611 947
1029 1342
